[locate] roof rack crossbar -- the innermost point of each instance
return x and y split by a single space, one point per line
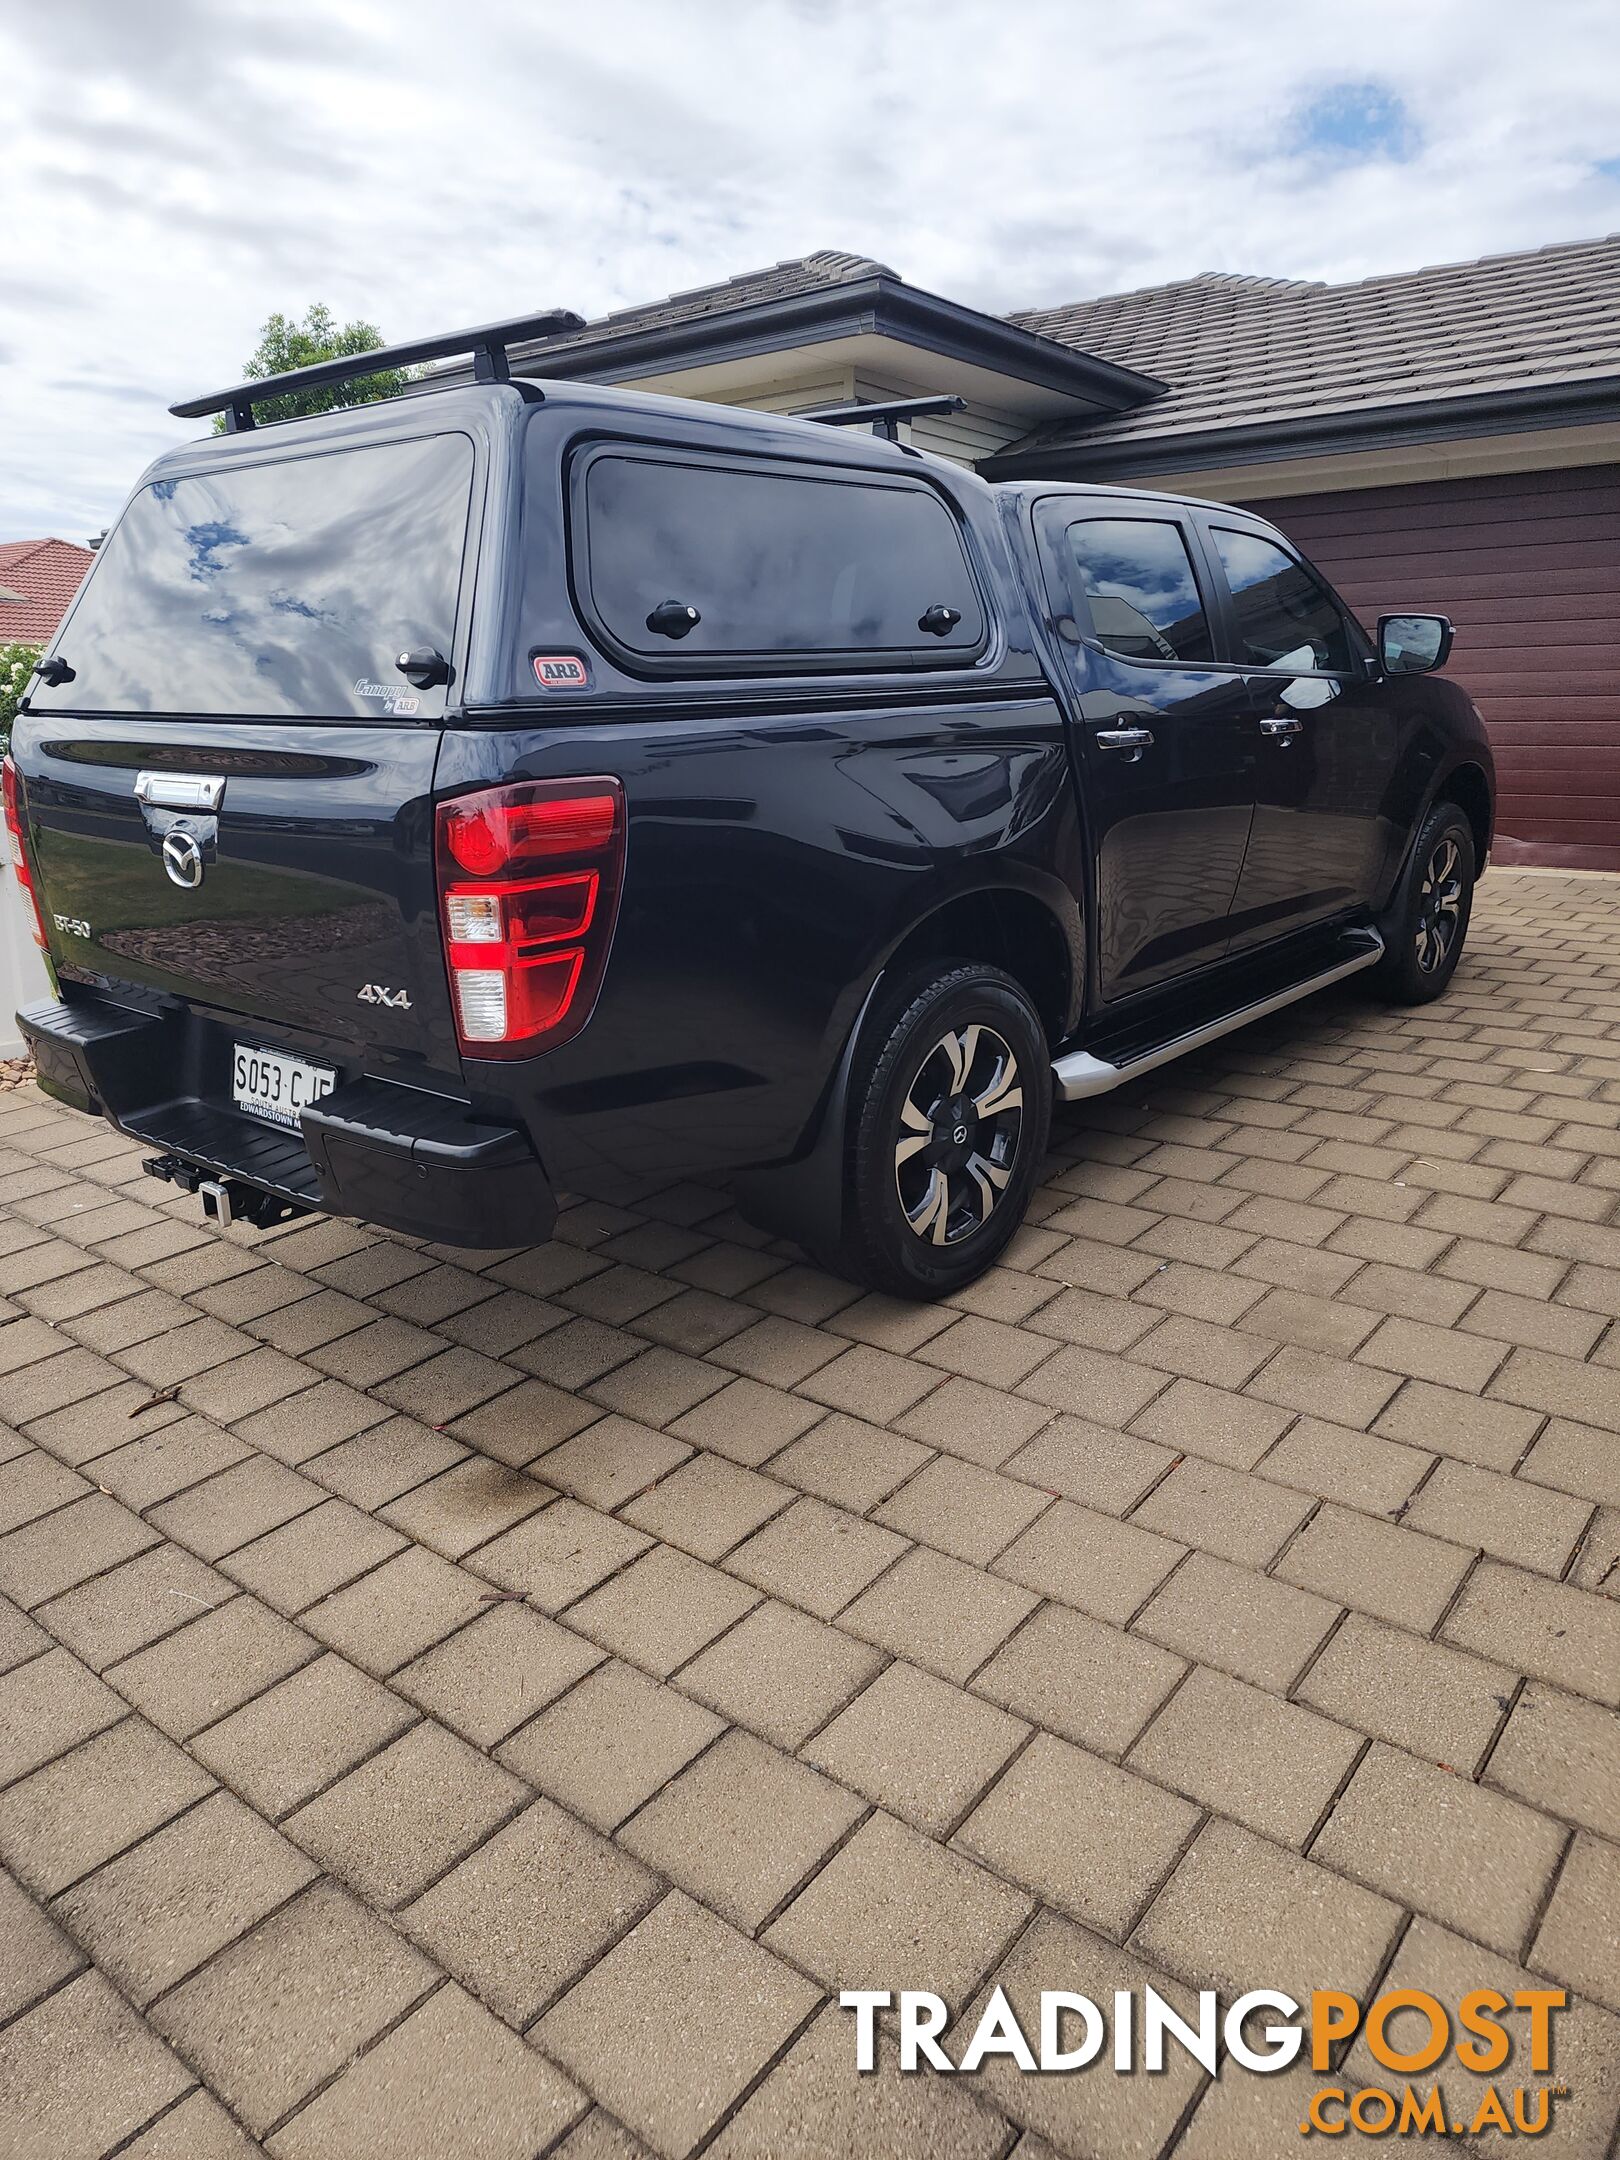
885 418
487 345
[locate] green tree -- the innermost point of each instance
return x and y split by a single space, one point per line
16 665
285 344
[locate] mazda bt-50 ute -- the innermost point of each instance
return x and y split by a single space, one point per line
522 788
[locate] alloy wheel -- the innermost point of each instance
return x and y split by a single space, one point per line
1440 899
960 1124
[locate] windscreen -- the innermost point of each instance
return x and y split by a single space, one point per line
276 589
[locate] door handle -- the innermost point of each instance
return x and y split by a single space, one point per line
1286 725
1132 740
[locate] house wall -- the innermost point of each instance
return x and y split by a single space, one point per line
1527 565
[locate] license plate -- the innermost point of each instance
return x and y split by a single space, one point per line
270 1085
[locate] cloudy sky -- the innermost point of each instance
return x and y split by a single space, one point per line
173 170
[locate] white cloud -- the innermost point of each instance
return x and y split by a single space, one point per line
176 169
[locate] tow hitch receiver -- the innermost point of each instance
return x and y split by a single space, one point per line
225 1200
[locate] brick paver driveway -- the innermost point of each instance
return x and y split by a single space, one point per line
485 1704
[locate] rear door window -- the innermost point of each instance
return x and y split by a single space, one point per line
1285 617
706 566
276 588
1136 578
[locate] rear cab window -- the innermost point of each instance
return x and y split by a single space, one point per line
692 564
271 588
1128 582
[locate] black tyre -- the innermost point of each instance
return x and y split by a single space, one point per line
1428 922
949 1109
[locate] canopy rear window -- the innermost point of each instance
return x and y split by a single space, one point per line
266 590
785 567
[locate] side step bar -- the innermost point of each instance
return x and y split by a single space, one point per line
1080 1074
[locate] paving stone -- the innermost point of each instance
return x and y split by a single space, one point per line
39 1957
1576 1459
1106 1470
211 1666
1242 1518
1089 1561
1091 1839
198 2129
938 1612
1092 2117
556 1556
1092 1384
82 2072
707 1505
1562 1387
1189 1417
227 1393
1586 2043
312 1985
467 1505
1517 1521
662 1610
1475 1429
47 1706
963 1509
1579 1936
491 1677
134 1604
522 1917
1562 1755
1245 1754
848 1462
607 1745
780 1353
1073 1676
395 1612
918 1747
1419 1695
450 2078
811 2108
780 1673
285 1744
407 1815
522 1423
611 1461
20 1637
1549 1631
1378 1567
891 1901
240 1504
981 1424
154 1914
1259 1629
312 1555
816 1556
67 1547
310 1422
1241 1912
33 1484
676 2022
1467 1857
748 1421
1360 1469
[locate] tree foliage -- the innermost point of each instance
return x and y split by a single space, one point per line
285 344
16 665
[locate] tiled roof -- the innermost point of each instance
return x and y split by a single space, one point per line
1249 351
38 578
807 273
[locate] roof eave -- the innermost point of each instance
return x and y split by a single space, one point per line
1540 405
880 306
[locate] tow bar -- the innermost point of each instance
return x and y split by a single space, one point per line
225 1200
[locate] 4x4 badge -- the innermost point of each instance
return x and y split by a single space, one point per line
380 994
182 860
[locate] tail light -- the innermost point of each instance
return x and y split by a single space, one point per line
16 822
529 879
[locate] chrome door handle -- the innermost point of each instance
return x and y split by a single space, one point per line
1132 739
1283 724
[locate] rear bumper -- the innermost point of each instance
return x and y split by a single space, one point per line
396 1156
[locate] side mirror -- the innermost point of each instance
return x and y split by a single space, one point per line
1413 644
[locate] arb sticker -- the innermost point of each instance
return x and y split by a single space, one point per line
561 671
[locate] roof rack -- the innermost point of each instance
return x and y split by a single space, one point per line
885 418
488 347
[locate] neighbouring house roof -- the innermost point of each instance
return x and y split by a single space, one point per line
816 300
1254 361
38 579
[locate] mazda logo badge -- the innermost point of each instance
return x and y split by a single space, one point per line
182 860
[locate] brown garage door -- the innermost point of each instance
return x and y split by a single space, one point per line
1527 565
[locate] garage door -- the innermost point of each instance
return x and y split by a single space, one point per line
1527 565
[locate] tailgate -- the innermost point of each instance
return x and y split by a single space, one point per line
282 873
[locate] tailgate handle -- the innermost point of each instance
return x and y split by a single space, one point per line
180 791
